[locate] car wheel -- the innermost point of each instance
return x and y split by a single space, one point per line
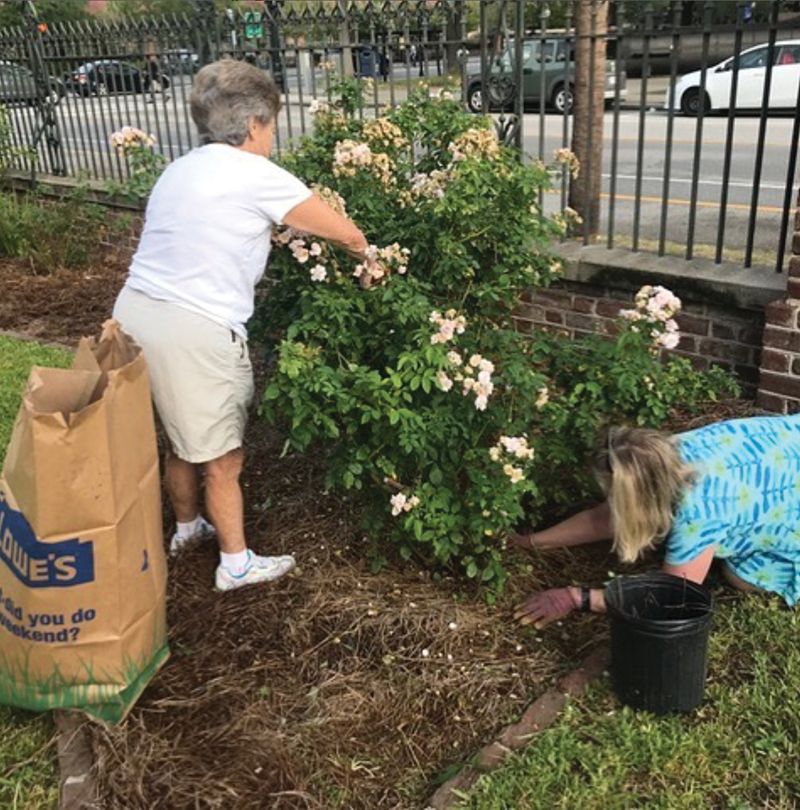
102 89
690 102
475 99
563 99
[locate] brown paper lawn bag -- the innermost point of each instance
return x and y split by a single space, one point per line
82 568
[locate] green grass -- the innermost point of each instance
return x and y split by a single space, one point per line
28 775
28 771
740 750
16 359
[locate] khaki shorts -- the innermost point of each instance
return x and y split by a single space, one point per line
200 374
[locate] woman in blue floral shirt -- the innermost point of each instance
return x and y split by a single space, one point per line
730 490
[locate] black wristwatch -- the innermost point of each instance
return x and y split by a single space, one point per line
586 599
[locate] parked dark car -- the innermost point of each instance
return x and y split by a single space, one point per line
558 77
18 86
109 76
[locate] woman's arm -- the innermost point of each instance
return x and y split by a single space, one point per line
544 607
588 526
316 217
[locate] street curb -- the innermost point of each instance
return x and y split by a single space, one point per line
539 715
77 787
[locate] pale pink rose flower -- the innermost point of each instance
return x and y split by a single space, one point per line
398 502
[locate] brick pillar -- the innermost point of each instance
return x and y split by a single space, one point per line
779 378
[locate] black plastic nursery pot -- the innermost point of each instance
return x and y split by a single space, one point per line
659 641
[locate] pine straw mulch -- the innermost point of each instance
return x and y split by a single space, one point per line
334 688
64 305
337 687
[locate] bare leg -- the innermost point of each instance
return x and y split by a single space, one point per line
224 500
737 582
183 487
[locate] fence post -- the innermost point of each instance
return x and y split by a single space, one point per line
519 74
344 38
46 122
273 9
206 31
779 378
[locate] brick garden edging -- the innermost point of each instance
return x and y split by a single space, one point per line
22 336
541 714
77 788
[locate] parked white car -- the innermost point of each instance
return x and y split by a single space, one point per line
750 88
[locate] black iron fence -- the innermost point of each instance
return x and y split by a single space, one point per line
698 165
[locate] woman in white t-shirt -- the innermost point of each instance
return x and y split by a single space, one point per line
190 292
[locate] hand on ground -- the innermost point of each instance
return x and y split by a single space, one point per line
541 608
523 541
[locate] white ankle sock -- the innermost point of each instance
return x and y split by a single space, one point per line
235 563
189 529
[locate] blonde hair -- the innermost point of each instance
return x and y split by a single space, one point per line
643 475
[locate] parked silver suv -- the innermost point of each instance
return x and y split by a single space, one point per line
559 77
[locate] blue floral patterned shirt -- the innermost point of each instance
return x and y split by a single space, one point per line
745 501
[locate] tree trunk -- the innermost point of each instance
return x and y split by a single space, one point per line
591 24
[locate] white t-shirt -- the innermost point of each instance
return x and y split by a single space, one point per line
207 231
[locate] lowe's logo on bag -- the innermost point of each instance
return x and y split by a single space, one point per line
42 565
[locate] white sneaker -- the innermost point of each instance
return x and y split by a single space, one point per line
205 532
259 569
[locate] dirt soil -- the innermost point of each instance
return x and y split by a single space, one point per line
336 687
63 306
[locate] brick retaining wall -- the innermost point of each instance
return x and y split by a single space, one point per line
779 385
729 337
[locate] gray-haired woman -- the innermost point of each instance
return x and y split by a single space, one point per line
190 292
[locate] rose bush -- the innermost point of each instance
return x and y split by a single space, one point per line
145 165
405 371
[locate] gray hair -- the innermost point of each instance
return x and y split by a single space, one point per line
228 95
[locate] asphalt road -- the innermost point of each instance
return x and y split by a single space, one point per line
85 125
767 197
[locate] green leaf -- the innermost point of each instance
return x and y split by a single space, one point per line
272 391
